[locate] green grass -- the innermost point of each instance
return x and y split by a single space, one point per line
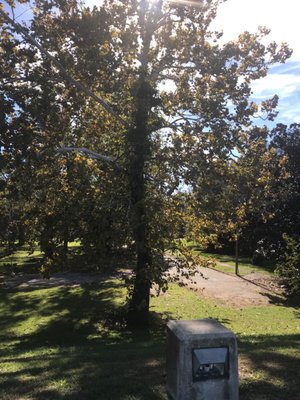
24 260
71 343
226 263
20 261
269 341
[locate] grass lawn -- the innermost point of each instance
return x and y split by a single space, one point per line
70 343
23 260
20 261
225 263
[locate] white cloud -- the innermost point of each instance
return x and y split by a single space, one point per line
287 87
288 115
283 85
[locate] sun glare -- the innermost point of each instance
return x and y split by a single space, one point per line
192 3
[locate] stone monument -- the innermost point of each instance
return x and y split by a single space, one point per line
202 361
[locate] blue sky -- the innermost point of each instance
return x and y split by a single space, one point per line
282 17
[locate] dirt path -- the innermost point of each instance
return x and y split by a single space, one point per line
23 281
251 290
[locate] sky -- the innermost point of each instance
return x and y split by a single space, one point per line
282 17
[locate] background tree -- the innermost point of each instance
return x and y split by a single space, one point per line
235 189
288 266
286 141
266 239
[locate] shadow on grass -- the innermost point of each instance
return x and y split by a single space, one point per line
72 343
284 300
81 349
14 266
271 293
270 367
131 371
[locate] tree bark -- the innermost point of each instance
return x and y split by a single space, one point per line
138 147
65 247
237 254
46 237
21 234
139 151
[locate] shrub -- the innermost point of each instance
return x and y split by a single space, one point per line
288 266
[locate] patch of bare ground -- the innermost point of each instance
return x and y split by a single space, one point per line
267 282
251 290
235 291
23 281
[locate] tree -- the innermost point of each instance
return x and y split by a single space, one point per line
288 266
32 133
172 89
286 142
235 188
285 200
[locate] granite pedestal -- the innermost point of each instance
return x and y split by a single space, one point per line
202 361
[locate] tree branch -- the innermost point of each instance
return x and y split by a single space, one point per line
92 154
19 28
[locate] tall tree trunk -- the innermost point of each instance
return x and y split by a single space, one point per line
65 246
139 151
138 147
237 254
46 238
65 252
21 233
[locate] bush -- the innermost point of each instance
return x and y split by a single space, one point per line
289 265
